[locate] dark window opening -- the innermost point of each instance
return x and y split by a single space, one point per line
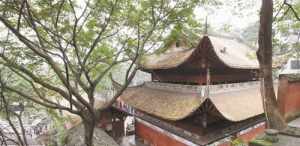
295 64
177 44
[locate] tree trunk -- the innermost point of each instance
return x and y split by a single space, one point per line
264 54
89 125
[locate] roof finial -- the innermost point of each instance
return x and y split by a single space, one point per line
206 27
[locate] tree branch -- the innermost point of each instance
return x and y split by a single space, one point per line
293 10
8 115
45 99
20 15
51 62
98 38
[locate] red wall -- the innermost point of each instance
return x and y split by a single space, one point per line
154 137
251 134
289 98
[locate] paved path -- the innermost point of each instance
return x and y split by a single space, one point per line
291 136
285 140
131 141
295 123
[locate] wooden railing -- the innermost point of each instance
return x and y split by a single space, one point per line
201 88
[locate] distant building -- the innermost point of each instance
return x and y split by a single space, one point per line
291 67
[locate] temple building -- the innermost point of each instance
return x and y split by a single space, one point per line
199 94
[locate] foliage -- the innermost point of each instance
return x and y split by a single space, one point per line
59 53
238 142
12 109
250 33
58 125
286 29
183 33
260 142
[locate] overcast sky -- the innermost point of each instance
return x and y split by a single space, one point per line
236 13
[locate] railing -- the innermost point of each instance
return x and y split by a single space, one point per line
107 94
201 88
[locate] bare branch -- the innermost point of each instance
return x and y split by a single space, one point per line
8 114
293 10
290 7
281 7
33 24
51 62
285 12
19 117
53 65
119 92
21 37
11 64
98 38
29 97
20 15
74 43
45 99
58 13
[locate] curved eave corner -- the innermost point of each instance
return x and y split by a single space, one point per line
165 61
236 55
176 105
168 105
233 53
239 105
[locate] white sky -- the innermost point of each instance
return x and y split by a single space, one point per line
236 13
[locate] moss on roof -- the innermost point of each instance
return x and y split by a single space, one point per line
236 56
175 102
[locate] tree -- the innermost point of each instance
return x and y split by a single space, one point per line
287 24
264 54
66 48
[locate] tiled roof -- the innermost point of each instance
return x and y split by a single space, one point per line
230 51
175 102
